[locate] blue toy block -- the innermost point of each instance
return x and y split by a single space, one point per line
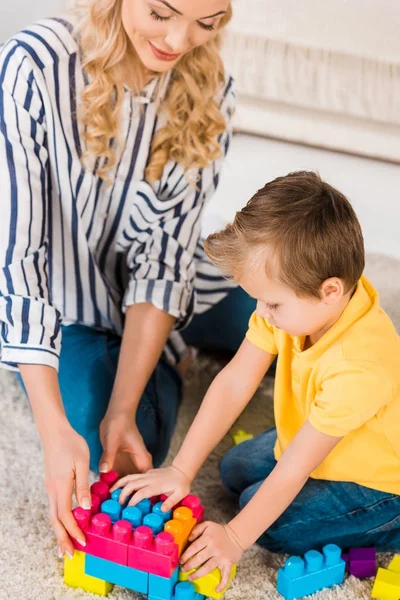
115 496
162 588
145 506
134 515
135 580
185 591
300 577
155 522
113 509
166 516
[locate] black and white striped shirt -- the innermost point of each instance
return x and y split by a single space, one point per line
72 248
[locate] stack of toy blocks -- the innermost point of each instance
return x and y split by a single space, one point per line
387 582
137 547
301 577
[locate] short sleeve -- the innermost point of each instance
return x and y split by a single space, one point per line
261 334
350 394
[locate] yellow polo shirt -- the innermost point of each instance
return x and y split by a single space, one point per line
347 384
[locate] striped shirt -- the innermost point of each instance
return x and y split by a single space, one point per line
72 248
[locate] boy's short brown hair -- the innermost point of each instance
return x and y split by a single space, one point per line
308 229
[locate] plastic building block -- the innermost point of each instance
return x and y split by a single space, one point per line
186 591
100 489
75 577
157 555
113 509
133 515
362 562
387 585
102 538
300 577
166 516
395 564
181 526
206 585
162 588
241 436
194 503
132 579
155 522
109 478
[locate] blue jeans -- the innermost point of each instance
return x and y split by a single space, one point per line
88 364
346 514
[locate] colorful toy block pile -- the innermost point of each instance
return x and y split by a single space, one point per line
137 547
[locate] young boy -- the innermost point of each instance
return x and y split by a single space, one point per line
330 470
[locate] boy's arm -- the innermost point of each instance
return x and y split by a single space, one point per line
308 449
225 399
229 393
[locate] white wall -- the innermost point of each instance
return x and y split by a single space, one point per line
15 14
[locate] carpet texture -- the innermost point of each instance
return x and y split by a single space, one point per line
29 568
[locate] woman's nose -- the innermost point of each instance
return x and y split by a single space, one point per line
177 38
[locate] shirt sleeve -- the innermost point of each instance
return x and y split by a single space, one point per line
261 334
29 324
161 261
350 394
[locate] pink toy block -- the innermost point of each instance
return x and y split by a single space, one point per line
108 541
109 478
100 489
96 503
194 503
157 555
82 518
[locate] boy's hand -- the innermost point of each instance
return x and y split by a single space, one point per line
170 481
214 546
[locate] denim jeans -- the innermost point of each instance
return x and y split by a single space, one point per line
88 364
346 514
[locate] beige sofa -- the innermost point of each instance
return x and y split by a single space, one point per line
320 72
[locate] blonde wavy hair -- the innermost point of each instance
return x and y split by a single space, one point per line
194 117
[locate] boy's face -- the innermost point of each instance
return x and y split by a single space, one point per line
280 305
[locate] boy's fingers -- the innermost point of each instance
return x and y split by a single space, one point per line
193 549
225 573
170 502
130 488
124 480
197 531
209 566
141 495
197 560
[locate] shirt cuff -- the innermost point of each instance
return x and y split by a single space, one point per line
11 356
169 296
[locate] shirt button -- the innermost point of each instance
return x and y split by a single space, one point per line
296 379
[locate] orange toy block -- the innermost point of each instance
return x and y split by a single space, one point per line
181 526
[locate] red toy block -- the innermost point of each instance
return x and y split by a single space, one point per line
109 478
100 489
108 541
158 555
194 503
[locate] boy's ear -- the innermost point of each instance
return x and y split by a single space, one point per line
332 290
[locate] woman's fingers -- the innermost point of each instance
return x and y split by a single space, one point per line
82 490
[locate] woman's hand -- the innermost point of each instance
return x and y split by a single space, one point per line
119 433
66 459
213 546
170 481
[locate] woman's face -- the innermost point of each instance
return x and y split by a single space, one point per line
162 31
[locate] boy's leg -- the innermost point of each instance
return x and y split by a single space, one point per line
88 364
325 512
248 463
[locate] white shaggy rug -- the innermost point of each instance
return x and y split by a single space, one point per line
29 567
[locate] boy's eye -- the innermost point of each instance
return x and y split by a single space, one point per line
271 306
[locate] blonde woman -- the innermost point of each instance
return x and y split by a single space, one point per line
114 124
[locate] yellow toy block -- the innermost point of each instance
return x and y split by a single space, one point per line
241 436
395 564
206 585
387 585
75 576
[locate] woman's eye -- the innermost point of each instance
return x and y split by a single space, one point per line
207 27
158 17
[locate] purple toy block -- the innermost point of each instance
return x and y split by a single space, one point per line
362 562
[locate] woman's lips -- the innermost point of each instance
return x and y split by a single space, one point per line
162 55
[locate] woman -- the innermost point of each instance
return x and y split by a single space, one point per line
114 125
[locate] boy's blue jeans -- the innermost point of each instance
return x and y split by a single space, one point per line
342 513
88 364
